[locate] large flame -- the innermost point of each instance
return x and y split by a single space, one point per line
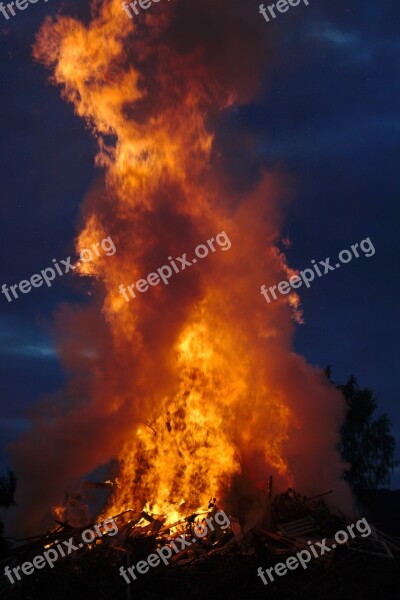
194 384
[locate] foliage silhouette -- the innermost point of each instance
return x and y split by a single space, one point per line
366 443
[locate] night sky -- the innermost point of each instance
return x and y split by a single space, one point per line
328 121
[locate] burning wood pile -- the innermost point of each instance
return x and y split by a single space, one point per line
206 544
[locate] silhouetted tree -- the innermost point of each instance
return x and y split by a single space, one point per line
8 484
366 442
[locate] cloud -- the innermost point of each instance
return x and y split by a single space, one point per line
335 36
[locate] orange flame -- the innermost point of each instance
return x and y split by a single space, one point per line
193 384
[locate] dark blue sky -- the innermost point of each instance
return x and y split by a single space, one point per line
329 120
